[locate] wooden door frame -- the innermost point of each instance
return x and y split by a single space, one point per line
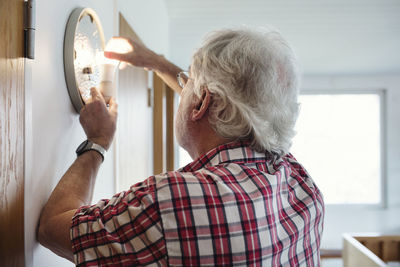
163 126
170 127
12 133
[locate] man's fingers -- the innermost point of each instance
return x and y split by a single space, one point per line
123 65
113 106
96 95
114 55
119 44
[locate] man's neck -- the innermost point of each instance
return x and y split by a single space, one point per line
206 144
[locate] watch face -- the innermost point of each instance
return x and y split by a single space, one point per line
81 147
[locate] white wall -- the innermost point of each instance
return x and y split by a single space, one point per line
149 19
358 219
52 127
333 36
56 131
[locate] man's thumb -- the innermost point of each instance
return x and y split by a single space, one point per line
113 105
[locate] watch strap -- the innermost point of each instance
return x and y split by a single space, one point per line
98 148
88 145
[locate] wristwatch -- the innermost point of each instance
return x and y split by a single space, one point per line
89 145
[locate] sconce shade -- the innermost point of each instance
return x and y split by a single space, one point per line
83 41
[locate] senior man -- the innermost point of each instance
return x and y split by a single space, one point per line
243 201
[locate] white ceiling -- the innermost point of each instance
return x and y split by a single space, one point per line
329 37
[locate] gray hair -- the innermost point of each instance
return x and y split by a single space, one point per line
253 79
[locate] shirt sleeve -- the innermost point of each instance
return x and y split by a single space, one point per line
124 231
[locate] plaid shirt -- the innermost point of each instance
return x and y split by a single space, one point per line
232 206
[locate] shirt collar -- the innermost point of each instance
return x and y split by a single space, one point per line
237 152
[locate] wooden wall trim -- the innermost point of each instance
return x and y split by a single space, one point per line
12 121
158 147
169 115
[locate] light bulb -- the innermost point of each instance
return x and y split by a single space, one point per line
108 67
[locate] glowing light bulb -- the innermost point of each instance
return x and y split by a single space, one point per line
108 67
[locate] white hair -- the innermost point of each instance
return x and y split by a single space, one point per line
253 79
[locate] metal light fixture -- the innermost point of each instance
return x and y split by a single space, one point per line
83 42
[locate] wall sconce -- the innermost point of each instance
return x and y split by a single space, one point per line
83 42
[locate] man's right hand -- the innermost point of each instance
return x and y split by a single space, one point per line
139 55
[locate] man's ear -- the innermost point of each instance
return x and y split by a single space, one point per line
202 105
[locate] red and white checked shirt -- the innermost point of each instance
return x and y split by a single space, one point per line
231 207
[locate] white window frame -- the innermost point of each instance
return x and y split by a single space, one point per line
383 203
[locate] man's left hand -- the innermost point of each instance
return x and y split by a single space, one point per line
98 121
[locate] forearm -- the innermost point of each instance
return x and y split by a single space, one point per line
75 188
167 72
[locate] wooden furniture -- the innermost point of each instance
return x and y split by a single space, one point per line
370 250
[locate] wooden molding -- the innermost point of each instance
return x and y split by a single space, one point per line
158 129
169 114
12 133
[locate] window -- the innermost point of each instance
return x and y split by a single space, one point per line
339 142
